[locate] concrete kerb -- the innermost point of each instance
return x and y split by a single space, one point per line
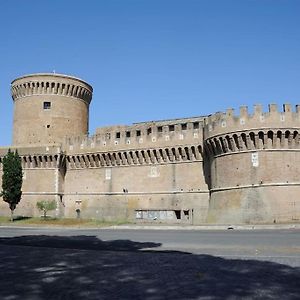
170 227
207 227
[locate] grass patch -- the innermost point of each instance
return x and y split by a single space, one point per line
50 221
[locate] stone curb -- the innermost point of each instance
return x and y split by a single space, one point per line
207 227
168 227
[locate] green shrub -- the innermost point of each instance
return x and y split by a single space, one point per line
45 206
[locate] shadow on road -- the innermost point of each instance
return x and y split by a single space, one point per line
84 267
80 242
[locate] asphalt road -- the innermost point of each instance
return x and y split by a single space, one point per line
149 264
274 245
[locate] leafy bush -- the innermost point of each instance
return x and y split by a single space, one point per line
45 206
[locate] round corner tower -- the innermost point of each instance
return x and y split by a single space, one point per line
49 107
254 165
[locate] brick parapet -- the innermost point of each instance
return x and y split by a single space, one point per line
54 157
133 157
146 135
254 140
226 122
51 84
36 157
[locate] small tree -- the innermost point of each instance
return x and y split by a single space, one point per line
12 179
45 206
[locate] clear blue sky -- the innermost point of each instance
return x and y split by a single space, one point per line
155 59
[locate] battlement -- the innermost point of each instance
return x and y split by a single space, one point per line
140 135
51 84
36 157
226 122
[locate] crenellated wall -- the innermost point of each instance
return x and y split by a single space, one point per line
222 168
152 169
254 165
220 123
140 136
111 185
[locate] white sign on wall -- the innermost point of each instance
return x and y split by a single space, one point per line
108 174
154 172
254 159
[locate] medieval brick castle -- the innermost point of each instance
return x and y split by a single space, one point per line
220 168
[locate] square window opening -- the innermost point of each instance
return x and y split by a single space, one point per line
47 105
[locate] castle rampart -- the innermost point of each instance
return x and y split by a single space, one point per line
220 123
222 168
146 165
135 157
140 136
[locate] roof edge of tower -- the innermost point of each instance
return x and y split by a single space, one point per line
52 75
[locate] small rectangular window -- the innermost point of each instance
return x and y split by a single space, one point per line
118 135
149 130
128 134
159 129
196 125
183 126
47 105
138 133
171 127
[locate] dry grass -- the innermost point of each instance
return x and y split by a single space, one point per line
49 221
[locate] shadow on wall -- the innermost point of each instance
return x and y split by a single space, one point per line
84 267
206 166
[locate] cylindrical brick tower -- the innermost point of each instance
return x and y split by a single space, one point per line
254 165
49 107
